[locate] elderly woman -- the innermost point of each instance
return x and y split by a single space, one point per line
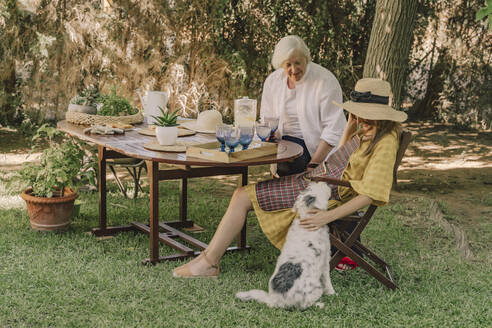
365 158
300 94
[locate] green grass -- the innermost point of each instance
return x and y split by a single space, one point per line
72 279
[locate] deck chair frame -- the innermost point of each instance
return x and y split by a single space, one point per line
345 242
134 168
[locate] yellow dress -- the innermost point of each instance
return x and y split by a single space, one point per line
370 175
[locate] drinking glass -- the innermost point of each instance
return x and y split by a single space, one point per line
232 138
220 130
263 131
245 135
272 122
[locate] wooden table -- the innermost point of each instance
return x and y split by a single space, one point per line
131 145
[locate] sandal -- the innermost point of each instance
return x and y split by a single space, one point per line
184 271
346 264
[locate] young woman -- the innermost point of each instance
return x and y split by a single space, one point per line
365 158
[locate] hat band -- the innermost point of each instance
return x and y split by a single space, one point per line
368 97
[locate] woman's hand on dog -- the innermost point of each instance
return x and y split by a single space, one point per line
316 220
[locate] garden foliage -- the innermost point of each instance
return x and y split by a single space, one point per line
61 164
207 53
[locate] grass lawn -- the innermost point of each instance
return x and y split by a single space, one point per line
72 279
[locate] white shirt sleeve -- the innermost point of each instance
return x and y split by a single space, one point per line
331 116
266 107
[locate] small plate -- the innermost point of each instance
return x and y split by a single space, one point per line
179 147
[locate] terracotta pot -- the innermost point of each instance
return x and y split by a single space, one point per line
49 214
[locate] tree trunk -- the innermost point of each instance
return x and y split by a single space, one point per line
8 93
390 42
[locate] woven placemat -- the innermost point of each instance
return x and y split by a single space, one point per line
179 147
181 132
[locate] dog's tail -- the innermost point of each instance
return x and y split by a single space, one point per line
255 295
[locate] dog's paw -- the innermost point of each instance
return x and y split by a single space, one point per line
330 292
320 305
243 296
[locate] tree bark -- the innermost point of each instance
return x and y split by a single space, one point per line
390 42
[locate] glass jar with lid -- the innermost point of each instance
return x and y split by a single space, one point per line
244 112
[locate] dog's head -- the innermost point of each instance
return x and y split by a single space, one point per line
316 195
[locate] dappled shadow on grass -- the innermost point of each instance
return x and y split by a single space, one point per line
438 146
74 279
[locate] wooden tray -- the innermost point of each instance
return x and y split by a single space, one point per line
211 151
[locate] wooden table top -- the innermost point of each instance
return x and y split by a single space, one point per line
131 144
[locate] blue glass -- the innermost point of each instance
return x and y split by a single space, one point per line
263 132
272 122
219 134
245 136
232 138
232 143
222 143
245 140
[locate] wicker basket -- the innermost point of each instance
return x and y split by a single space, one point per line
88 119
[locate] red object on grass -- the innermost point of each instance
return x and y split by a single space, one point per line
348 261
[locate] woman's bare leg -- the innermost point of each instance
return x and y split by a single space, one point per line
229 227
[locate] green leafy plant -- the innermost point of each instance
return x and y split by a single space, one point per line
61 164
166 118
485 12
88 97
114 105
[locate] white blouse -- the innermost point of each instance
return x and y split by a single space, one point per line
319 119
291 125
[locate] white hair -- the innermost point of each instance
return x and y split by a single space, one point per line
286 46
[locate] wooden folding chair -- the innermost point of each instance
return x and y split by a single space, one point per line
345 242
134 167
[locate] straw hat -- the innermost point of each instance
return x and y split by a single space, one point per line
370 100
205 122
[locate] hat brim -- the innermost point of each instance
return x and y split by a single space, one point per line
192 125
370 111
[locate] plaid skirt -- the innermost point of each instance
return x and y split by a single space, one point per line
281 193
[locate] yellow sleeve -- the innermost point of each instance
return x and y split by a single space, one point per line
377 179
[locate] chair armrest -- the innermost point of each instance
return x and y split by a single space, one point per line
331 181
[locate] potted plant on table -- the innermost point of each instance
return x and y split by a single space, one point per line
51 193
85 102
110 109
114 105
166 129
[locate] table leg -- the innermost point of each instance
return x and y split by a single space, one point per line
103 229
101 154
183 200
153 170
241 240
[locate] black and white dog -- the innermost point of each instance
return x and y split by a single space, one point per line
302 273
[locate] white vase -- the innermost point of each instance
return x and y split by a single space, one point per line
166 135
152 102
